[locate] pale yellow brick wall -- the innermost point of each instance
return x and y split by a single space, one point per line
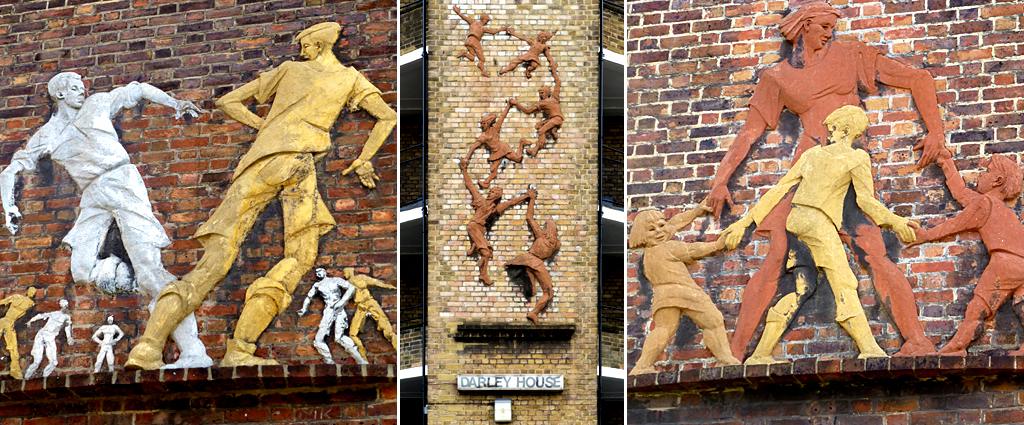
565 174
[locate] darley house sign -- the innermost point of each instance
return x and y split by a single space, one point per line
528 382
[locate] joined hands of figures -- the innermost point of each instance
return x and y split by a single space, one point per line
187 109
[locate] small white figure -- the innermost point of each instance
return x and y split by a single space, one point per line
46 339
336 292
106 337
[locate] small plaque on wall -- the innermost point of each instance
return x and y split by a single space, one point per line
528 382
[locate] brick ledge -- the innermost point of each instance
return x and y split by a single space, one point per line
214 379
804 371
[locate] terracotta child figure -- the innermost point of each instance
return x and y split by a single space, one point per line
550 106
985 212
531 58
824 174
477 28
665 264
545 245
821 75
490 137
485 209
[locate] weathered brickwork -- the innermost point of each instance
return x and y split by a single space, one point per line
895 391
565 175
196 50
613 26
411 347
298 394
693 69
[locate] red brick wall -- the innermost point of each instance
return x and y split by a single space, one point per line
693 69
196 50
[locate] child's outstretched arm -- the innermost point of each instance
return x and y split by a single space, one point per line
955 182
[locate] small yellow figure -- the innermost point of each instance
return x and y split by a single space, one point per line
281 164
17 306
824 175
367 306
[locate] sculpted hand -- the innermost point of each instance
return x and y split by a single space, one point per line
302 312
13 217
186 108
719 198
734 233
365 172
906 230
932 147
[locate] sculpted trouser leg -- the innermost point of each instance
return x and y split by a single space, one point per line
105 355
84 254
11 342
351 342
983 305
51 356
761 288
542 134
358 318
781 315
666 321
153 278
893 289
383 323
815 229
247 196
542 278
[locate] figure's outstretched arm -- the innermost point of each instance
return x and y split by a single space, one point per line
464 167
458 11
233 107
922 88
681 220
501 119
513 33
733 234
524 109
148 92
556 92
386 121
370 281
689 253
23 160
955 182
6 301
39 316
309 299
512 202
350 290
495 31
751 131
535 228
974 215
868 202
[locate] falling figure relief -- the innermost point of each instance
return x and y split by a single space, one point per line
549 105
17 306
490 137
46 339
664 264
280 164
986 213
366 306
336 292
106 337
531 58
545 245
822 177
474 51
485 210
819 76
80 137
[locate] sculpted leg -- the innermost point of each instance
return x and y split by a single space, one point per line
983 305
781 315
543 279
485 257
383 324
11 341
760 290
51 356
666 321
350 347
542 137
153 278
486 183
270 295
322 331
894 291
712 325
358 318
37 357
181 298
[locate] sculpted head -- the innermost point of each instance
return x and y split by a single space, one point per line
485 18
846 124
814 20
488 121
544 92
63 304
544 36
1002 174
348 272
110 320
67 88
318 39
31 292
320 273
648 229
494 194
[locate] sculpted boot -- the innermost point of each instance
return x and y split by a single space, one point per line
775 324
857 327
149 352
257 314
